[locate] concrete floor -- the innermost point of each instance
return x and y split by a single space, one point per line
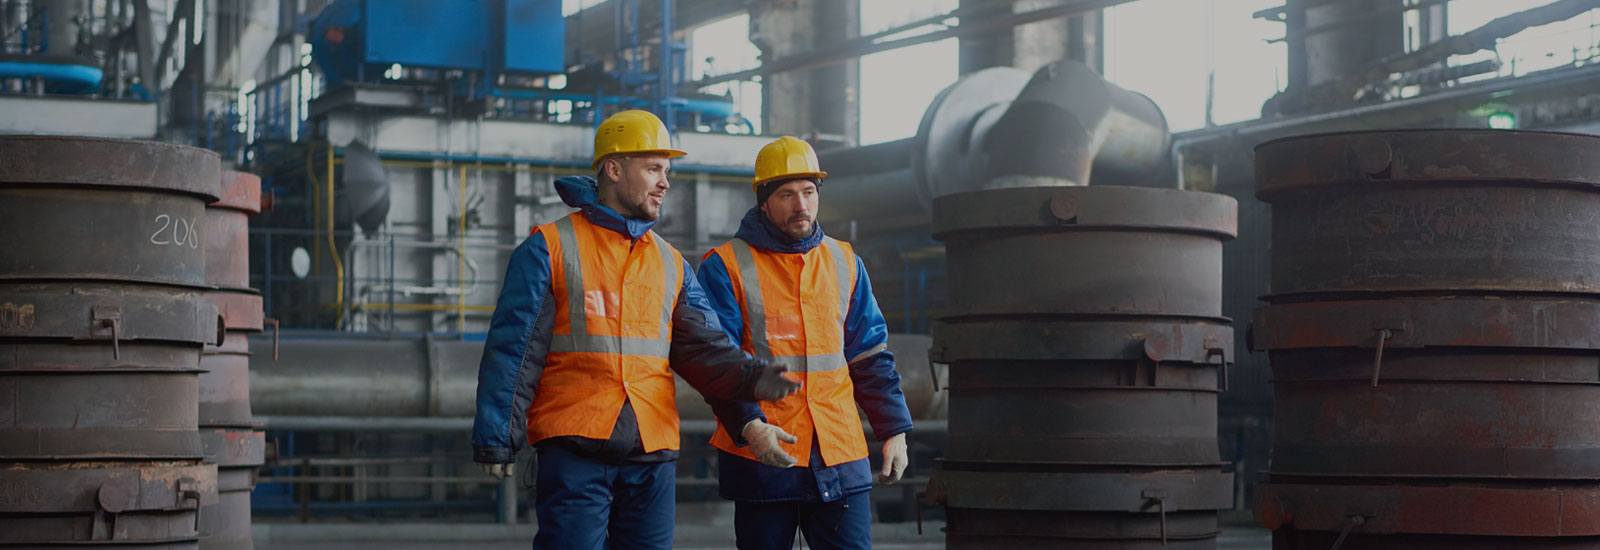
700 526
1233 538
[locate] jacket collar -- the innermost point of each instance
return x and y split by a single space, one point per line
757 230
582 192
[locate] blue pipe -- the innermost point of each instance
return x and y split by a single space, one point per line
576 164
81 79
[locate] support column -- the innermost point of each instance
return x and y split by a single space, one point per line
1034 45
818 104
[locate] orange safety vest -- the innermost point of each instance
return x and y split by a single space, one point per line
794 308
613 303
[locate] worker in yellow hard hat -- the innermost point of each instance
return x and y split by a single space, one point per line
596 314
792 295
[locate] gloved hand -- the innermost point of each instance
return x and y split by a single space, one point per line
772 385
894 459
499 471
764 438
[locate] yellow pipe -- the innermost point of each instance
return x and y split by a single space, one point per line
429 307
316 211
338 264
461 252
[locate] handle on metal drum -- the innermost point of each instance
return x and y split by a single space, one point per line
1158 498
274 324
1355 521
103 317
1377 360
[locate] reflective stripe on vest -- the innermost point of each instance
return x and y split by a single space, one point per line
755 313
580 341
603 350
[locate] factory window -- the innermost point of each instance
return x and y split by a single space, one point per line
721 47
1199 60
1559 44
898 85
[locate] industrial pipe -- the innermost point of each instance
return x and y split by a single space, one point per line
1064 125
439 378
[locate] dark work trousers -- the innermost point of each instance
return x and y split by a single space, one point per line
585 504
839 525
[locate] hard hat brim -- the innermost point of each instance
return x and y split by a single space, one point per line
797 175
670 153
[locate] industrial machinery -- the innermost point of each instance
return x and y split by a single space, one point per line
102 326
227 428
1431 329
501 58
1083 326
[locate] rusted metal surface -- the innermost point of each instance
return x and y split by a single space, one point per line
75 208
225 390
1364 161
1432 339
1439 210
114 163
112 313
65 414
1514 321
240 191
229 439
1086 349
1154 251
102 233
226 526
102 324
227 252
104 504
240 310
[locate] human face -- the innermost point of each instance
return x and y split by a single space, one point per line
639 185
793 208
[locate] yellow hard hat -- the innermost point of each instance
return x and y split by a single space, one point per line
632 132
786 158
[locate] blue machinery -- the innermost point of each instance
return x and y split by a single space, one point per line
497 56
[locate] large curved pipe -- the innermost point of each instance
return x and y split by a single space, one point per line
439 378
1063 125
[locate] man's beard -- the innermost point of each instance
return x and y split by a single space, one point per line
799 233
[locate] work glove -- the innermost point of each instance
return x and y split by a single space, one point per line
764 438
772 385
894 459
498 471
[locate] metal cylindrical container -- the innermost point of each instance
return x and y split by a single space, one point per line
1432 333
102 321
1431 211
227 431
83 208
1086 349
227 224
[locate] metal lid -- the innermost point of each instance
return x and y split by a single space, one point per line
240 191
1425 157
53 160
1096 207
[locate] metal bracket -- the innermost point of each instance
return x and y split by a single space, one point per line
1158 498
108 317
